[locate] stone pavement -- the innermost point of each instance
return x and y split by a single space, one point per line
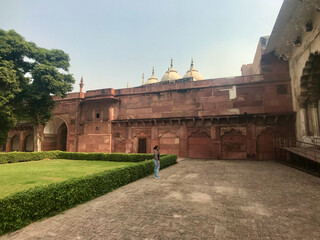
197 199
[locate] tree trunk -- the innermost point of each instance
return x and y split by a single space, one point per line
36 139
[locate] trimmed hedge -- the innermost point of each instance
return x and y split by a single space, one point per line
115 157
22 208
13 157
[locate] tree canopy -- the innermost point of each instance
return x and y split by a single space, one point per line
29 76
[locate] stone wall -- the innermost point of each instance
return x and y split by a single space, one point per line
253 94
251 137
225 118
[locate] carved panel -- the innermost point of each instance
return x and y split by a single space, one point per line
242 130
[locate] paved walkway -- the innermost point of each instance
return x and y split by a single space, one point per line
197 200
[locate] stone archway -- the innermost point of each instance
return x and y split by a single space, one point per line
55 135
29 144
233 145
142 138
62 137
15 143
309 98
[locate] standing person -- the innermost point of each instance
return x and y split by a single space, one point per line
156 161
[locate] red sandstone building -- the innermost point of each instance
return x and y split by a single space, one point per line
225 118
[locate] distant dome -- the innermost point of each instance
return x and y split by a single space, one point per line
193 73
171 74
152 79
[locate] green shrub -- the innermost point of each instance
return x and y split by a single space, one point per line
13 157
20 209
115 157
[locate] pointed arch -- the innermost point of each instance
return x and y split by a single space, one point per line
28 143
142 142
15 142
233 145
56 134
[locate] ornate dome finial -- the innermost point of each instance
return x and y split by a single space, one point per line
171 62
193 73
152 79
143 79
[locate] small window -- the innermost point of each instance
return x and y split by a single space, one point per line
282 89
97 128
98 115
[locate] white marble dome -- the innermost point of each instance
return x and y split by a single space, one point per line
171 74
152 79
193 73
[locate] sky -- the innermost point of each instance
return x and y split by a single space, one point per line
114 42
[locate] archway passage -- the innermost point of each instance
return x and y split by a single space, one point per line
142 145
199 145
28 145
15 143
55 135
233 145
265 145
62 137
309 97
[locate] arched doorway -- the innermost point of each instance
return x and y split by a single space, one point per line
142 142
199 145
15 143
233 145
62 137
55 135
28 143
308 100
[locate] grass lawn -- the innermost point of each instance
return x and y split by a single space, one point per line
20 176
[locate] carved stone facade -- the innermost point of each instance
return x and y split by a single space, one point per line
195 119
296 38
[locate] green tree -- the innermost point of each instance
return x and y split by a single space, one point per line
29 76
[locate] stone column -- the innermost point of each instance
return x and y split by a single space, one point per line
314 116
303 118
